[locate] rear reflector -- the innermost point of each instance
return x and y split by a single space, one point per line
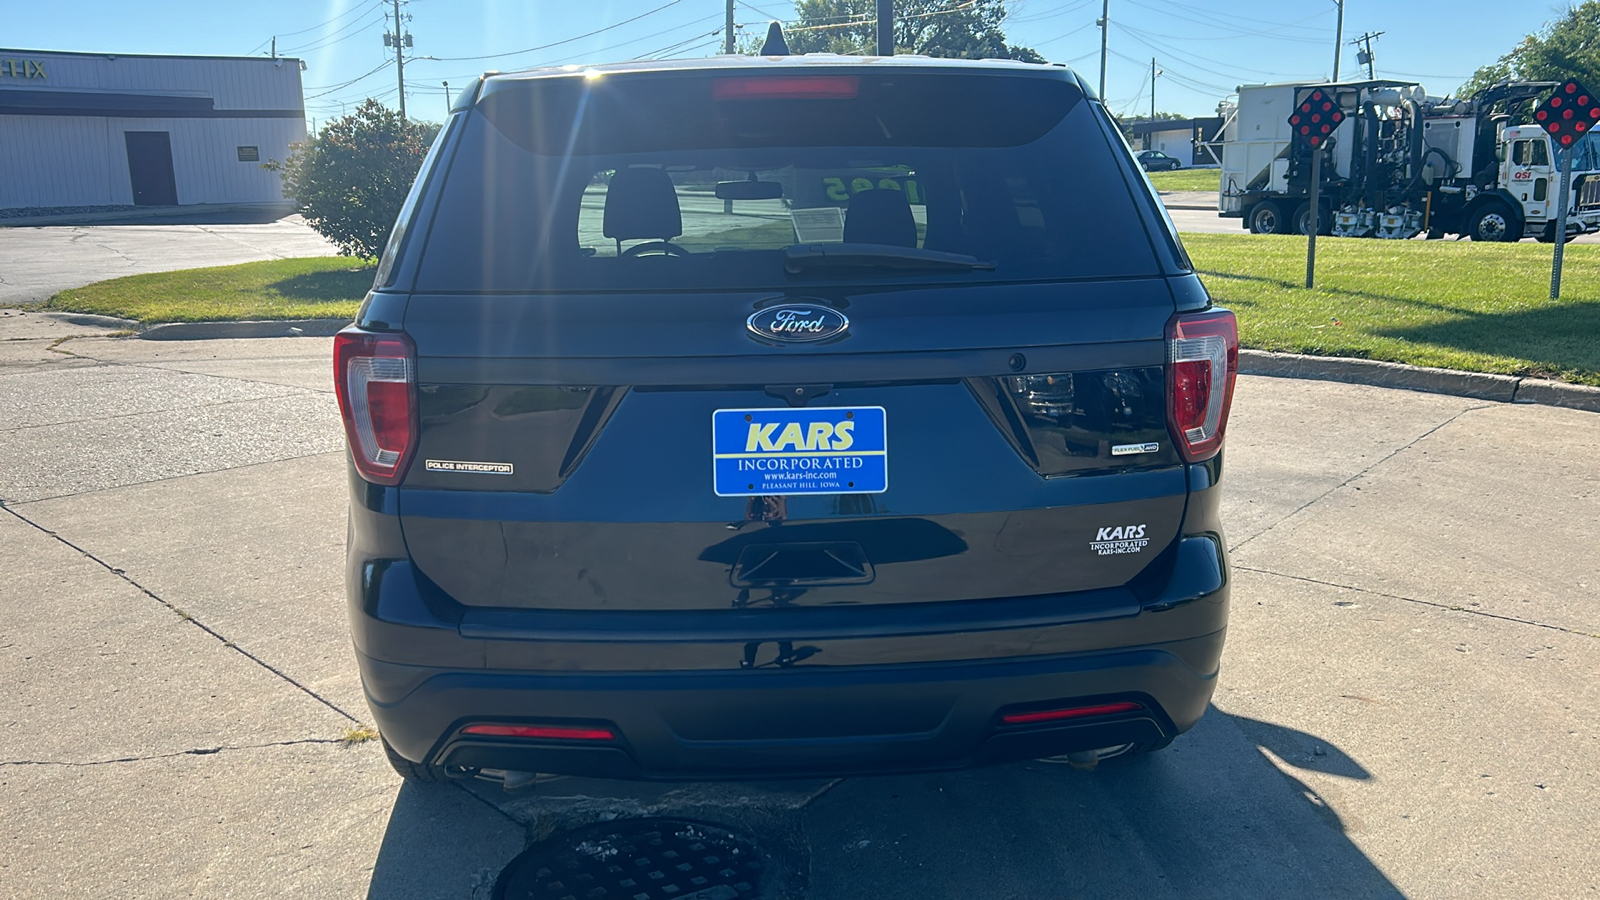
1075 712
1202 364
801 87
543 732
375 376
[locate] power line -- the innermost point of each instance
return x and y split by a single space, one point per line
580 37
326 90
331 39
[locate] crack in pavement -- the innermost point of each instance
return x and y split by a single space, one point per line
1388 456
184 615
1449 607
197 751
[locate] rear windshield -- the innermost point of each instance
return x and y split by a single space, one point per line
675 182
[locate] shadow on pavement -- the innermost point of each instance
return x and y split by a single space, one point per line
1211 816
442 842
171 215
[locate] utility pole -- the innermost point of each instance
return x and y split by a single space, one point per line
727 31
1105 26
1365 57
399 40
885 27
1153 73
1338 40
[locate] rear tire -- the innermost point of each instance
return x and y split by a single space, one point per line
1302 222
1493 222
1267 218
418 773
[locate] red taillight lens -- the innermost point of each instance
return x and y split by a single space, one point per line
375 376
1202 363
802 87
543 732
1075 712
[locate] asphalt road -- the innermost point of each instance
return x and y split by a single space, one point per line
1407 704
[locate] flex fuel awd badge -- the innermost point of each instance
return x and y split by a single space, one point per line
812 450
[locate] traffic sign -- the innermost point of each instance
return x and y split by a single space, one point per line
1568 114
1316 117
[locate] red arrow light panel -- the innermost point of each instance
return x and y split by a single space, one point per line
1316 117
1568 114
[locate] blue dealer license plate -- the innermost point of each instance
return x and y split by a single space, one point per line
818 450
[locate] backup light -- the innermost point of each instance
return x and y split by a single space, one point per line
543 732
1202 364
375 378
795 87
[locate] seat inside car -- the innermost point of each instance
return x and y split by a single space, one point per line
641 204
880 216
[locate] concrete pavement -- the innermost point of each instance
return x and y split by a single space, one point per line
1407 704
36 262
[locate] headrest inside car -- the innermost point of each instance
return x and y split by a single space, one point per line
880 216
642 204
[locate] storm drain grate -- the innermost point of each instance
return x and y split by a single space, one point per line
636 859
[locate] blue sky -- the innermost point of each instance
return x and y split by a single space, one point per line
1203 47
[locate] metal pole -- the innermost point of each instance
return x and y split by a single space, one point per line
1105 26
274 46
1338 40
1152 88
885 27
727 29
1316 217
1561 222
447 98
399 60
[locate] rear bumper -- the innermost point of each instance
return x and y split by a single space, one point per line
798 721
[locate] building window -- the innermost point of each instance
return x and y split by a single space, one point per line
249 154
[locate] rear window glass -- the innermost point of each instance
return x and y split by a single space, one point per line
673 182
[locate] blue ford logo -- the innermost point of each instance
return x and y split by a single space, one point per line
797 324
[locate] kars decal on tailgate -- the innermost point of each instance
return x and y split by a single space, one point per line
1115 539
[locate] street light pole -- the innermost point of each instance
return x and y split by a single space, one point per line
1338 40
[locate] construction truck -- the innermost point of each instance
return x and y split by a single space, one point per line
1402 163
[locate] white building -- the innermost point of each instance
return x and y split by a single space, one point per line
102 129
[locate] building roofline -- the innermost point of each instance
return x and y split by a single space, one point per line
10 52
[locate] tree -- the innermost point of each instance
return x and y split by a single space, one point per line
350 179
961 29
1566 48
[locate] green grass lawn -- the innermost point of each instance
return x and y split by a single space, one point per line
1186 180
329 287
1455 305
1451 304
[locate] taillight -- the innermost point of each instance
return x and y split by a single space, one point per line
1202 363
375 376
543 732
791 87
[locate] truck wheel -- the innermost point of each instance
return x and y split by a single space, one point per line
1302 221
1494 222
1267 218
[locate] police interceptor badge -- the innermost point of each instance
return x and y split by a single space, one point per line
809 450
476 468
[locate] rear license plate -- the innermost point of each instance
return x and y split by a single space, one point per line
818 450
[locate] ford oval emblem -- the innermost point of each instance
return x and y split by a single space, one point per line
796 323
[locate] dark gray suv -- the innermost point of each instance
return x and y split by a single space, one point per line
783 416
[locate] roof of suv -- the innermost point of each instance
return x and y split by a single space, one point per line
799 61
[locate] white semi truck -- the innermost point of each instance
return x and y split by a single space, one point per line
1403 164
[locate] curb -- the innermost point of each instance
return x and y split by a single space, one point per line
1483 386
91 320
152 214
201 331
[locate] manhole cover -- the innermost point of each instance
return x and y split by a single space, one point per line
637 859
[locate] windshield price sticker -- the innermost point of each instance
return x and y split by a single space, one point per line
820 450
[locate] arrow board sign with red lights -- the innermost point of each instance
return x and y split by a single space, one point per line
1569 114
1315 119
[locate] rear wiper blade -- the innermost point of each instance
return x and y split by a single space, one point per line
802 257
